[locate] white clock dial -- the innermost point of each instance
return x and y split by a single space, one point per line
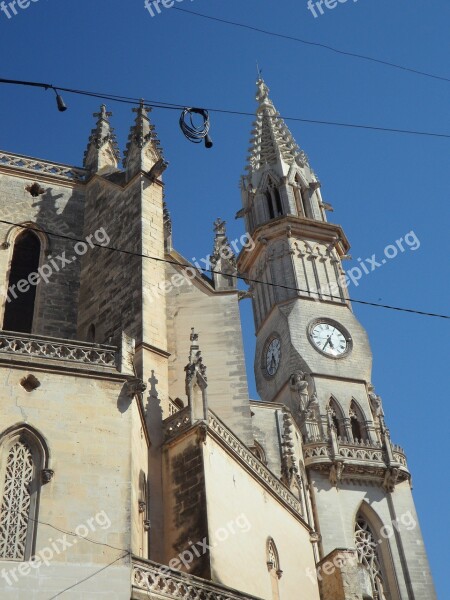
329 339
273 355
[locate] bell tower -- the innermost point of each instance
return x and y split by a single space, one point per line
313 355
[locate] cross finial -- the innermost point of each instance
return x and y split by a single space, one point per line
219 226
103 114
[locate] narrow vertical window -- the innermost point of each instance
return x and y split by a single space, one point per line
278 204
273 564
16 502
357 423
19 308
22 459
270 205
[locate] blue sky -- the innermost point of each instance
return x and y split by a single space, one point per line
381 185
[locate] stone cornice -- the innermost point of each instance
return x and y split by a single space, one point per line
293 227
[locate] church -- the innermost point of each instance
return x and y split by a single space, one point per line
133 464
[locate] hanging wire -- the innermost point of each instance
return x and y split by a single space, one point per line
193 132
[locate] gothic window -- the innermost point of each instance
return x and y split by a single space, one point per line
273 199
357 423
337 419
270 205
273 564
91 333
369 557
143 513
301 199
19 309
258 451
21 463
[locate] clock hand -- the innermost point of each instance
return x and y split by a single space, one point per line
327 342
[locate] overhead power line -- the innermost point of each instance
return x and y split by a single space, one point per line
181 107
316 44
238 276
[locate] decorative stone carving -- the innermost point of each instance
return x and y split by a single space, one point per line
135 386
16 502
29 345
337 468
35 190
161 582
30 383
390 479
223 260
47 475
42 166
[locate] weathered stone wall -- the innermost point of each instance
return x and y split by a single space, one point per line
86 422
185 499
215 317
60 210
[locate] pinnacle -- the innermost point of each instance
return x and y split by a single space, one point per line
272 142
102 134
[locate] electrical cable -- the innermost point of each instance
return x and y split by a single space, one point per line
90 576
240 277
76 535
317 44
170 106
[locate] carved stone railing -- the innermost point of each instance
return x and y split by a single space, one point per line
161 582
42 167
24 345
176 423
258 468
357 458
173 408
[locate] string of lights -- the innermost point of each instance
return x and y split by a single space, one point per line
315 44
180 107
246 280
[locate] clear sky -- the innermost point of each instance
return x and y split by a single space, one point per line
381 185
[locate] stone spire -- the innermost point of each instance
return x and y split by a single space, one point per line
102 153
272 143
223 259
143 152
196 381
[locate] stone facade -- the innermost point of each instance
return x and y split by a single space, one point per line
133 464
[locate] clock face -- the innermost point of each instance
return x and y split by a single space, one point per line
273 355
330 338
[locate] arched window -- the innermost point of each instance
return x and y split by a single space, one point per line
273 564
270 205
273 199
22 458
258 451
302 201
370 558
91 333
337 418
357 423
143 512
20 300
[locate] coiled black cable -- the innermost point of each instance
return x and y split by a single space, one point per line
193 132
